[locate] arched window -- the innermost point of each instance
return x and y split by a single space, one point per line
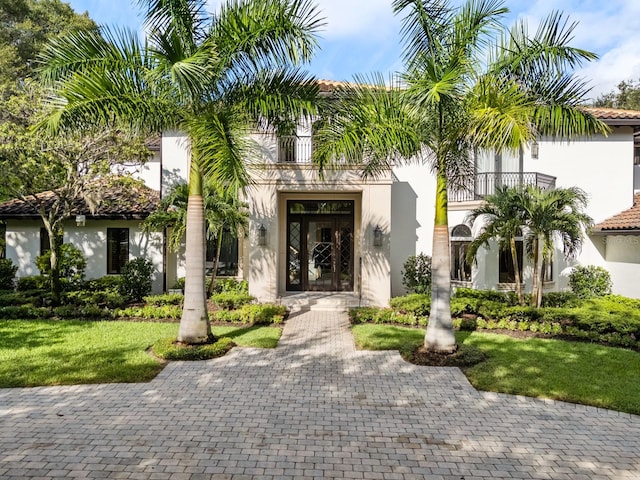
460 240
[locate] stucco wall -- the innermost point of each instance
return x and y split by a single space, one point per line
23 246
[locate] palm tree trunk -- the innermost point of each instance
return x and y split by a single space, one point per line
534 288
194 324
440 336
541 283
216 262
516 270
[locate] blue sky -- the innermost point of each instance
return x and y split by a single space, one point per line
362 36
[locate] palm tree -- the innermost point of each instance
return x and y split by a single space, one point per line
452 99
210 77
553 214
504 217
224 211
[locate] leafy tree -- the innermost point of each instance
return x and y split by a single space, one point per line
453 98
503 218
50 174
210 77
223 211
26 25
416 275
626 96
71 264
553 214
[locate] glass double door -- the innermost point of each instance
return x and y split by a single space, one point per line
320 253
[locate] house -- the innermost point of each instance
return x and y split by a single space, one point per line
349 236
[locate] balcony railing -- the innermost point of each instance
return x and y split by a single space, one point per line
482 184
294 149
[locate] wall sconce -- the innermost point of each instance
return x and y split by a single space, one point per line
262 235
535 150
377 236
80 220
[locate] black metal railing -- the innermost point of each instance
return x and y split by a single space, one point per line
482 184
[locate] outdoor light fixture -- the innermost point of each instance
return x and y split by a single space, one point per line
262 236
80 220
535 150
377 236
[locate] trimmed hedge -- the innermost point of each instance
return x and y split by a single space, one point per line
231 300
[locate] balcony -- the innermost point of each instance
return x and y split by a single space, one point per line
294 149
483 184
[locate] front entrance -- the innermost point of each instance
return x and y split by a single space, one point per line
320 245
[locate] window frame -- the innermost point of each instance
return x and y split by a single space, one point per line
461 238
118 242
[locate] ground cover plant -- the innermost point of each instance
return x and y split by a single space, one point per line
577 372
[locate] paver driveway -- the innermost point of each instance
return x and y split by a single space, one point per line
312 408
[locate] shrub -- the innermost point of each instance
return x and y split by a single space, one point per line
105 298
150 312
561 299
170 350
35 282
231 300
165 299
223 285
7 274
108 283
416 273
417 304
179 284
71 265
8 299
24 312
590 281
256 314
135 279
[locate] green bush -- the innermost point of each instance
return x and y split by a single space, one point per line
561 299
590 281
223 285
35 282
416 274
165 299
256 314
384 316
231 300
135 279
170 350
417 304
108 283
150 312
71 265
7 274
101 298
8 299
24 312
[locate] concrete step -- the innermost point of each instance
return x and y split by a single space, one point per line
327 302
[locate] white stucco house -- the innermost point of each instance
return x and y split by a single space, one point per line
349 237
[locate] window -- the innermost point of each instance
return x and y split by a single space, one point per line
506 272
3 240
117 249
44 241
228 262
460 240
547 265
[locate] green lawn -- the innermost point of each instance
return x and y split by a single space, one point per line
571 371
72 352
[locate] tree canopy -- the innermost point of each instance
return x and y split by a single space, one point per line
626 96
26 25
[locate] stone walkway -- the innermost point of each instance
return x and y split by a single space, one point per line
312 408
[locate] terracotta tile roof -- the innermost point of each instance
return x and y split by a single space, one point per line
624 221
154 143
330 85
119 201
615 115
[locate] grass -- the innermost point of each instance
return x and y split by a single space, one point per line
34 353
575 372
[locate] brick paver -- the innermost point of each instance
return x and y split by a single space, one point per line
312 408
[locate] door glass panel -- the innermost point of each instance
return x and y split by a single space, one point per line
294 274
320 255
346 255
